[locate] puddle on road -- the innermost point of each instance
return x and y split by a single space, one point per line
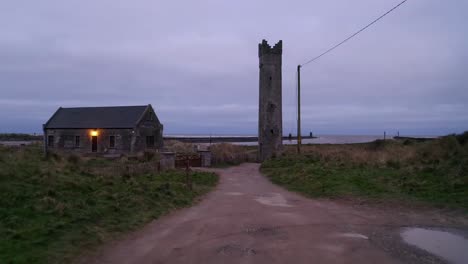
446 245
353 235
234 193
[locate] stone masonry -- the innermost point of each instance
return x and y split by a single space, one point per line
270 123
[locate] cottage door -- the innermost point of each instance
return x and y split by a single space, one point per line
94 144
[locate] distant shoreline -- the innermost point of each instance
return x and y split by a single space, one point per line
250 140
219 139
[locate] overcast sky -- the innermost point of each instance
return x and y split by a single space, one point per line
196 62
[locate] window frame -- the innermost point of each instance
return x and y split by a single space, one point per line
112 141
150 141
77 141
50 141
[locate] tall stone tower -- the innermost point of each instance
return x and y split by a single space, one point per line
270 121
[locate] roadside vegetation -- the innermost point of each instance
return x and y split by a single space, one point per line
52 209
433 171
225 154
222 154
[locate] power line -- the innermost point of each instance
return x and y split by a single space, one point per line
353 35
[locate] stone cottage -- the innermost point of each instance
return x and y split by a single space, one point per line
104 130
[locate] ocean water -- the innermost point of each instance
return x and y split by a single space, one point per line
326 139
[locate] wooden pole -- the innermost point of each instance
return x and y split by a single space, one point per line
188 176
299 140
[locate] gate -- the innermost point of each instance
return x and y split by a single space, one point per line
193 160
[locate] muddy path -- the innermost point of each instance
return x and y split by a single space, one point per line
247 219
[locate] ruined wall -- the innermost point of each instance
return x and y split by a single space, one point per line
270 122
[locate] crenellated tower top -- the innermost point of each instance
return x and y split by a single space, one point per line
264 48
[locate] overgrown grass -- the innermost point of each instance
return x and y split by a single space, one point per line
50 210
434 171
225 154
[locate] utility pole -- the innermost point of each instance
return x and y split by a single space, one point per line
299 141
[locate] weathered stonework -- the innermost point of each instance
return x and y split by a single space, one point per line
270 123
124 140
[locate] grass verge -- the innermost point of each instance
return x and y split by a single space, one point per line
435 171
50 210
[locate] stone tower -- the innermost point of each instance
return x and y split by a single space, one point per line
270 121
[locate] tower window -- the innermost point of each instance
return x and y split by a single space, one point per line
112 142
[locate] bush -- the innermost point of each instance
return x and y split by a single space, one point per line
229 154
179 147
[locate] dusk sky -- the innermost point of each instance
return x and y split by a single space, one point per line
196 62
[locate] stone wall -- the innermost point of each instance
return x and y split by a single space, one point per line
167 161
127 141
270 123
64 140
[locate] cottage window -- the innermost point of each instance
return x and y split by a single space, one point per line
150 141
77 141
50 141
112 142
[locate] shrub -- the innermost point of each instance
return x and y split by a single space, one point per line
179 147
229 154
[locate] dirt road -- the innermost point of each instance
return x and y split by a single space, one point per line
247 219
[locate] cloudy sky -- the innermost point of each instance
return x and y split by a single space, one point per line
196 62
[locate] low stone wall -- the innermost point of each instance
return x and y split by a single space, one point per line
205 156
167 161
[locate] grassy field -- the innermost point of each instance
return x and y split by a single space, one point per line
52 209
434 171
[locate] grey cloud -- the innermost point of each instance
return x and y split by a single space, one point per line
196 62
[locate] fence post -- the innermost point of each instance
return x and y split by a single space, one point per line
188 176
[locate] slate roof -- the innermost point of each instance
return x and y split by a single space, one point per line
97 117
